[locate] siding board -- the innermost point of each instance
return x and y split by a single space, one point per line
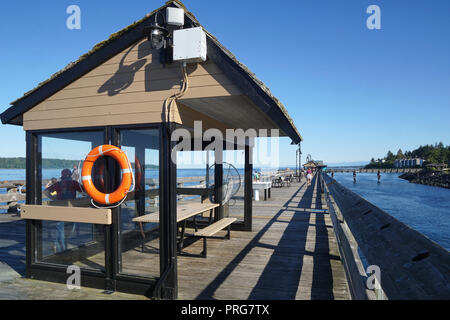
129 88
172 69
133 97
101 120
111 87
146 73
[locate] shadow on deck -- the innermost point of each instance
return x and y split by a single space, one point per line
12 244
291 254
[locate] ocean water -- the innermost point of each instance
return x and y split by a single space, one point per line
423 208
19 174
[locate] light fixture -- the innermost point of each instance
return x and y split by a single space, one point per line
156 33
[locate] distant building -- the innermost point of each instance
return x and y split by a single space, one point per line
408 163
314 164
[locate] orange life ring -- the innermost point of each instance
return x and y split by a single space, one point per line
86 174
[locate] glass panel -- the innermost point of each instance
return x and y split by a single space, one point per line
233 183
194 173
139 241
60 242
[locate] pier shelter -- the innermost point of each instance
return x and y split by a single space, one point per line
314 165
128 92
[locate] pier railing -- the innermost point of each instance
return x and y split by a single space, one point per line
389 170
14 193
410 265
348 250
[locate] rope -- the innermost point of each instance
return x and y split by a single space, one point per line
184 88
110 207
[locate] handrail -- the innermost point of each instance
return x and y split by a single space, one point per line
401 254
348 250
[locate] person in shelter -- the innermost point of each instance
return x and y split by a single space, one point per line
65 189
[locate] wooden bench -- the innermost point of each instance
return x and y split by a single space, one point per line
212 229
184 212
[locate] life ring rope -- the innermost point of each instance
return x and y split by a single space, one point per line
126 186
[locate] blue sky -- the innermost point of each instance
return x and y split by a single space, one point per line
353 93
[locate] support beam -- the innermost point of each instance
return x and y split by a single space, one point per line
248 183
31 156
218 183
168 283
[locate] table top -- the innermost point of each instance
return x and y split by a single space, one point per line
184 211
262 184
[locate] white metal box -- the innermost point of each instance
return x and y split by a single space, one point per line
189 45
175 16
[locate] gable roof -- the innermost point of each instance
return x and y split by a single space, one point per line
230 65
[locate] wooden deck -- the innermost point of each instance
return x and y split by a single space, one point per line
290 254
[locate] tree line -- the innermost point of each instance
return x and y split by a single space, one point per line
437 153
20 163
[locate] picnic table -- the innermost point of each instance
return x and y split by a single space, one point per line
184 212
263 185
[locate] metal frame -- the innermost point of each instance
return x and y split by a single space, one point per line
167 281
166 286
110 278
39 270
248 182
245 225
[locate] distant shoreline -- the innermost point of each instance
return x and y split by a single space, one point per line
20 163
